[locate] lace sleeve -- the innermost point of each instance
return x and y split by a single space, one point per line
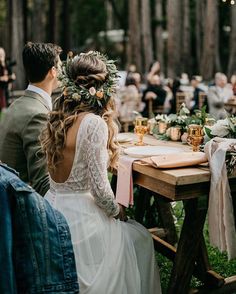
97 158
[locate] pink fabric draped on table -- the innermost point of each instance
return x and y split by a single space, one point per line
220 212
124 188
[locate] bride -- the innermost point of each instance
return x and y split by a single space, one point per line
112 256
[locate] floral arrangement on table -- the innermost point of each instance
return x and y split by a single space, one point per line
178 123
167 125
224 128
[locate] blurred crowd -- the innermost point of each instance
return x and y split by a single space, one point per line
6 79
151 93
154 94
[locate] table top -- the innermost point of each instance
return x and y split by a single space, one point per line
176 183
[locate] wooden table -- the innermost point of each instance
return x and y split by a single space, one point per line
190 185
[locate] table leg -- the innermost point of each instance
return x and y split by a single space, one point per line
165 213
188 245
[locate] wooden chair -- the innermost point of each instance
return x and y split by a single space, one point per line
180 99
201 99
157 110
230 105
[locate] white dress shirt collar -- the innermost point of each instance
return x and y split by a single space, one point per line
42 93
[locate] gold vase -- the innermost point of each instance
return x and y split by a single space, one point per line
162 127
195 136
151 125
175 133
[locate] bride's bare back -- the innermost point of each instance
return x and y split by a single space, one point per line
63 169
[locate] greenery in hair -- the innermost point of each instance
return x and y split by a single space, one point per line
95 97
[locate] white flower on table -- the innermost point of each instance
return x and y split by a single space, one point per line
220 128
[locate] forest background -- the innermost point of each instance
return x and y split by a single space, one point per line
192 36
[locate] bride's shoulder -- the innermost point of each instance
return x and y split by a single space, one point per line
96 120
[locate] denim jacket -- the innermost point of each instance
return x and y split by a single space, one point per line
36 253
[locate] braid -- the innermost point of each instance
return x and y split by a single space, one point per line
99 77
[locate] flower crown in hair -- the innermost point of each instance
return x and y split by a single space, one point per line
96 97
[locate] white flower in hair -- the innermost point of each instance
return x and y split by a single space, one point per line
92 91
76 96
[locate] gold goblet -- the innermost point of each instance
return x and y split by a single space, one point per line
141 128
195 136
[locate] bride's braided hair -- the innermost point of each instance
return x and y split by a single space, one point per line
89 83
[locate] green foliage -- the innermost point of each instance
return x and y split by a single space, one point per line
88 19
3 11
162 137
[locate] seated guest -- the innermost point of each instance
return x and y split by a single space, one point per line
154 69
218 95
154 91
175 89
195 84
130 100
233 83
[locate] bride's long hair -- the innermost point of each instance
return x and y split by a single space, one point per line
90 72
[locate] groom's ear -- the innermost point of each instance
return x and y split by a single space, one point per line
52 73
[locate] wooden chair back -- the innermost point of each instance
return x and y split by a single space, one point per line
154 110
180 99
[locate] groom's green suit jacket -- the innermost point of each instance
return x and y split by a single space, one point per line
20 128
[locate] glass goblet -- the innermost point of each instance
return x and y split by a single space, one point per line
195 136
141 128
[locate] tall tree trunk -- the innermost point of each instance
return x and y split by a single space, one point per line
186 38
209 40
25 20
109 15
232 56
174 38
66 26
134 55
17 40
38 21
217 48
147 44
158 32
200 19
52 21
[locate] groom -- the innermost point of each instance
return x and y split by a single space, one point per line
26 117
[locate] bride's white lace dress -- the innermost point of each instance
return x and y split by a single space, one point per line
112 257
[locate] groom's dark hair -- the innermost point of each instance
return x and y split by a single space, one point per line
38 59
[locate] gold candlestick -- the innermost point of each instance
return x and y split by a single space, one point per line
195 136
